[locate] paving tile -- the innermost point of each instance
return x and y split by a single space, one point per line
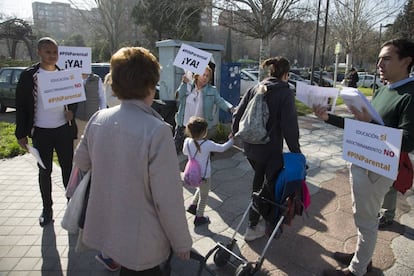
304 248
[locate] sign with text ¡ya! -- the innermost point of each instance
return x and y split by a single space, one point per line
373 147
60 88
75 58
192 59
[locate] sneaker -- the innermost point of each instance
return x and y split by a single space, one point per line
384 222
192 209
46 217
254 232
201 220
346 258
108 263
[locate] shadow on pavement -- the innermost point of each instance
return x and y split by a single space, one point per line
50 254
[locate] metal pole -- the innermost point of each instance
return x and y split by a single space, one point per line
324 42
316 42
376 63
336 68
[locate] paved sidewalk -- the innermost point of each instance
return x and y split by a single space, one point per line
305 248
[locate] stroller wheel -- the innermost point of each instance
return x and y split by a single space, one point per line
221 257
244 270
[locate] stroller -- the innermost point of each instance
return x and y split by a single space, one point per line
278 204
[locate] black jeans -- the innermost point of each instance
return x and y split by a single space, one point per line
258 180
46 140
155 271
179 137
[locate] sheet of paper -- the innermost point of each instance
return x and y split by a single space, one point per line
312 95
352 97
36 154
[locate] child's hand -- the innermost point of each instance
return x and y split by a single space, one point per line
230 135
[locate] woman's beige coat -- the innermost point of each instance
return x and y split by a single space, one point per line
136 209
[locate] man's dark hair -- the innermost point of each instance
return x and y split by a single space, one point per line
405 48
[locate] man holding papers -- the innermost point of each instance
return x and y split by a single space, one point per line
50 128
395 105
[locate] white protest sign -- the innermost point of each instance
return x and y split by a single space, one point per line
75 58
373 147
60 88
192 59
312 95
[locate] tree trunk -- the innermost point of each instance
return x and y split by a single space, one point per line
264 53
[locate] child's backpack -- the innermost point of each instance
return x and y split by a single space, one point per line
252 125
192 170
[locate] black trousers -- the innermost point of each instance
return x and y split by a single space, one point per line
155 271
46 140
258 180
179 137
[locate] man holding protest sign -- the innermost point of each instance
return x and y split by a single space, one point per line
51 128
395 104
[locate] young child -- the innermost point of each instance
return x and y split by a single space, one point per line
196 130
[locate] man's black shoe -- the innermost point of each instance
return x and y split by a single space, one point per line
45 218
337 272
384 222
346 258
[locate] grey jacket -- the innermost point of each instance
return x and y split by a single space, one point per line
135 212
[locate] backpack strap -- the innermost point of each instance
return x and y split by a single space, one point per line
189 151
208 159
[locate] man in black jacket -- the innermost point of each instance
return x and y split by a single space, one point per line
353 78
51 129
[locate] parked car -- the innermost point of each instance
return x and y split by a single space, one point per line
9 76
325 82
294 78
247 80
303 72
368 81
101 69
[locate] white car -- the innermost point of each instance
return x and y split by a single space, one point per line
368 81
249 79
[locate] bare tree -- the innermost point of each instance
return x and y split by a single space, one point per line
110 19
15 30
162 19
353 19
260 19
403 25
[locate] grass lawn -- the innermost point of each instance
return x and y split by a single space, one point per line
8 143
